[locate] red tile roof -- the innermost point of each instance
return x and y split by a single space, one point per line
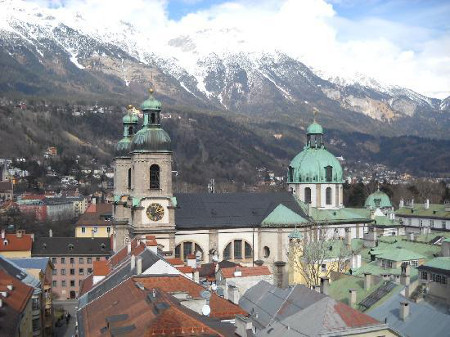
13 243
353 318
175 261
19 296
136 249
151 314
101 268
151 240
245 271
86 285
186 269
220 307
92 215
33 197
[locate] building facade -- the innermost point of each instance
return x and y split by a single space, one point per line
72 259
240 227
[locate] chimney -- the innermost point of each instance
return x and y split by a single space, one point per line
50 233
196 276
411 236
316 287
139 265
233 294
324 285
19 233
412 203
348 237
133 262
405 278
427 204
3 234
404 310
402 203
191 261
128 248
352 298
1 303
10 287
151 243
367 281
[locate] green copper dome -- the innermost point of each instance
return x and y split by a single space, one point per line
130 119
314 129
378 199
315 165
151 139
151 103
123 147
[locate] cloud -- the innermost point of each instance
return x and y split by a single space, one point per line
406 52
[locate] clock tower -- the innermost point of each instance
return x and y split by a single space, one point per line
151 199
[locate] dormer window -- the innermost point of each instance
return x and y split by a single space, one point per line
70 246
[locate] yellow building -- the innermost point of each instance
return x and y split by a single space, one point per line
95 222
311 260
16 245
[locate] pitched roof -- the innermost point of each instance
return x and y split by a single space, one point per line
40 263
140 312
434 211
220 307
96 215
245 271
271 303
19 296
398 254
282 215
229 210
437 264
14 243
175 261
423 320
70 246
325 317
100 268
19 273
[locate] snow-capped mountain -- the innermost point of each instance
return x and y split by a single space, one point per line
60 53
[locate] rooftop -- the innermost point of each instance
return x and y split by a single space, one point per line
438 211
422 319
245 271
442 263
220 307
398 254
16 242
70 246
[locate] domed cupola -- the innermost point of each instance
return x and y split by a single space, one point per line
151 138
129 121
378 199
315 164
315 175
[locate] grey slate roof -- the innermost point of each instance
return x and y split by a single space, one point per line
117 276
422 320
270 303
229 210
32 263
320 319
71 247
14 270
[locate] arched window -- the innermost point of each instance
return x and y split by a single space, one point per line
154 176
153 118
307 195
291 174
186 248
328 196
328 173
238 250
129 178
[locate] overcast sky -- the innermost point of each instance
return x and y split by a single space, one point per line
403 42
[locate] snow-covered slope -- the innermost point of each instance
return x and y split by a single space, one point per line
66 51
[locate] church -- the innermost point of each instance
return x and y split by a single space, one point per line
240 227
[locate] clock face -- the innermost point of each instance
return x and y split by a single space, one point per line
155 212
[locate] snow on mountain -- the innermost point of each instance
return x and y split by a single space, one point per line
199 66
